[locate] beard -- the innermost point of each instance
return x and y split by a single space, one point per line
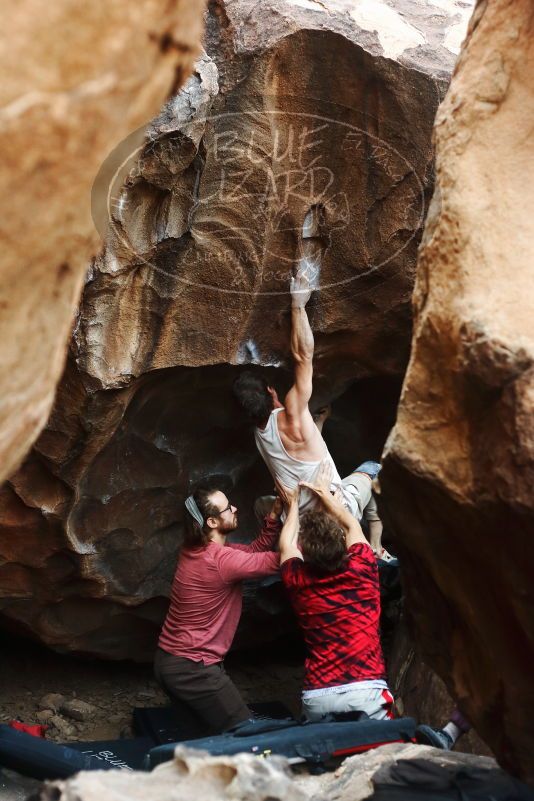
229 525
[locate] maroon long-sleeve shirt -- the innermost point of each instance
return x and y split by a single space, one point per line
206 596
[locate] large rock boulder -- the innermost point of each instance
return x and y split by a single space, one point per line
191 774
307 114
405 771
420 693
399 770
76 81
459 466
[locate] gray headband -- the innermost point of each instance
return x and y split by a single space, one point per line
194 511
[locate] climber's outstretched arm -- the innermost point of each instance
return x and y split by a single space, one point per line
302 345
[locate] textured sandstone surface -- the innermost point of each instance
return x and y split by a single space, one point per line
77 80
378 770
244 777
420 693
305 114
192 774
292 113
459 466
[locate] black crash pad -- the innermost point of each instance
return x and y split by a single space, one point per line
171 724
122 754
42 759
314 743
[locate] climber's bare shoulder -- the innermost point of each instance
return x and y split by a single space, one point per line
300 436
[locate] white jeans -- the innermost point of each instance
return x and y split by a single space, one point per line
376 702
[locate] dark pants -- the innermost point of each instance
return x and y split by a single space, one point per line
207 690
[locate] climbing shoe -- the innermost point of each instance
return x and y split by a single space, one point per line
426 735
371 468
385 556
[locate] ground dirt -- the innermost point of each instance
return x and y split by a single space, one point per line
29 672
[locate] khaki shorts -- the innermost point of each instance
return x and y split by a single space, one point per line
358 493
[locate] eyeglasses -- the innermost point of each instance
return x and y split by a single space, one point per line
225 509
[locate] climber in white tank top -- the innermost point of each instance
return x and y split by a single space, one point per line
287 436
288 470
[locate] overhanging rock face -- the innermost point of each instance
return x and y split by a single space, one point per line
307 116
76 81
459 466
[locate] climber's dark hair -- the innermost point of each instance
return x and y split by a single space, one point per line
196 536
251 392
322 542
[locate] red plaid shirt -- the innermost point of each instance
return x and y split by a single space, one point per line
339 614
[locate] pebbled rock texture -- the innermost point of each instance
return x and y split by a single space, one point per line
309 118
459 465
77 81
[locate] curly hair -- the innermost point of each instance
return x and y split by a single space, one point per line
322 542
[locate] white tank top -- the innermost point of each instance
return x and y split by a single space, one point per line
285 468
